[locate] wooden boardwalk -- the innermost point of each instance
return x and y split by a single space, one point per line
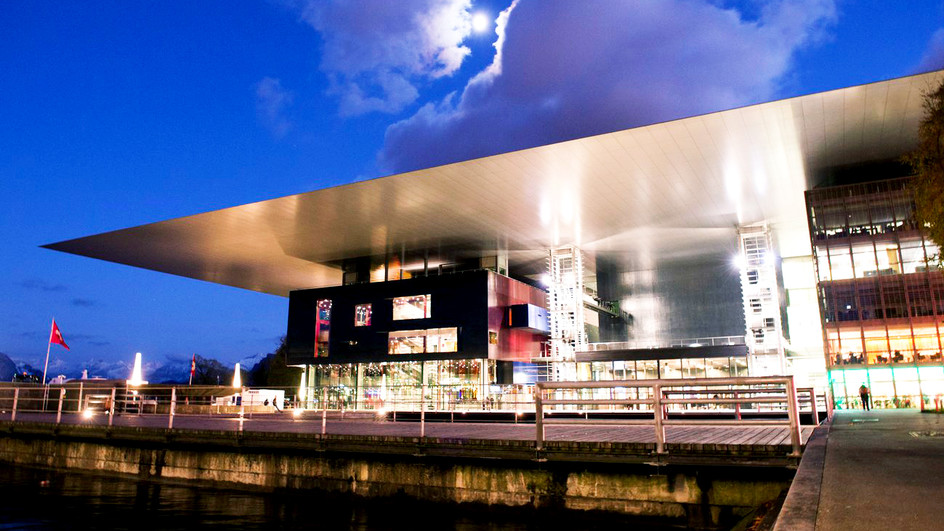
746 435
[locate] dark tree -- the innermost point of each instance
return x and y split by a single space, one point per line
927 162
211 372
271 371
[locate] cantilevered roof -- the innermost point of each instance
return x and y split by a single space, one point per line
639 196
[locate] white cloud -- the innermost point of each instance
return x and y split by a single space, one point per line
376 53
570 69
933 58
271 103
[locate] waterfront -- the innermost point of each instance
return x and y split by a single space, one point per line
32 498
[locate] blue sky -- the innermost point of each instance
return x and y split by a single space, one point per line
114 114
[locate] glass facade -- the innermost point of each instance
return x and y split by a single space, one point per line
450 384
881 297
664 368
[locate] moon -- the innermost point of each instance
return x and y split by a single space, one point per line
480 22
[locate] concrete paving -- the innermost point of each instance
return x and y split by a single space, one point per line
877 470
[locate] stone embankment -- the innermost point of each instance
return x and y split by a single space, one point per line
697 489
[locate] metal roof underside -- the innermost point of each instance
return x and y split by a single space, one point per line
639 196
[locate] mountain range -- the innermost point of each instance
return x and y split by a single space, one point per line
170 370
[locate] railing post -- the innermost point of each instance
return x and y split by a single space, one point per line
794 416
657 415
78 402
538 418
737 406
111 407
423 410
324 410
242 409
16 398
173 408
62 395
813 406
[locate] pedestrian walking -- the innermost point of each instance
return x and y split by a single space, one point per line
864 393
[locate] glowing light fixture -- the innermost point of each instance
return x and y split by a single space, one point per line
480 22
237 378
302 389
137 377
88 413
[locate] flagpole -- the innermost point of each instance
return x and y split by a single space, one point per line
48 344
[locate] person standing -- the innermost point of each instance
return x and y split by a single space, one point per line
864 393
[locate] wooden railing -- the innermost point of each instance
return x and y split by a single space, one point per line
776 392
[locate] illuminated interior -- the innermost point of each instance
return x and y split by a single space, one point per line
413 307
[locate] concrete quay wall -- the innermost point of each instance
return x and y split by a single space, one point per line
505 473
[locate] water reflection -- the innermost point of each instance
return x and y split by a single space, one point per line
42 499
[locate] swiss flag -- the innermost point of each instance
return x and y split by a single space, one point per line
55 336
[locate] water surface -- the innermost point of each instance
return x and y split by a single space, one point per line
44 499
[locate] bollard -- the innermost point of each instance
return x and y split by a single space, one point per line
173 408
16 398
111 407
62 395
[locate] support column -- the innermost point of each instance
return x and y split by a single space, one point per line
761 293
565 312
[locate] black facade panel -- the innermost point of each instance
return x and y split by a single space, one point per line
457 300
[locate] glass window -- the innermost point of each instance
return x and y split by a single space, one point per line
671 368
423 341
362 315
412 307
322 328
407 342
753 276
442 340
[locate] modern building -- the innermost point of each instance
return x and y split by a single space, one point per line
457 333
881 292
706 246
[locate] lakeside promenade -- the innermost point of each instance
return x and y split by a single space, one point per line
879 469
677 437
710 475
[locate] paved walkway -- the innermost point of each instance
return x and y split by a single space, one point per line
871 470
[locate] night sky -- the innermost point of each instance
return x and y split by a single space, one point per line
116 114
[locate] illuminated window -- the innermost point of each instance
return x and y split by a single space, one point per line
423 341
412 307
442 339
322 328
362 315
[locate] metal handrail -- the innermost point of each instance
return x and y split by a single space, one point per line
657 401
